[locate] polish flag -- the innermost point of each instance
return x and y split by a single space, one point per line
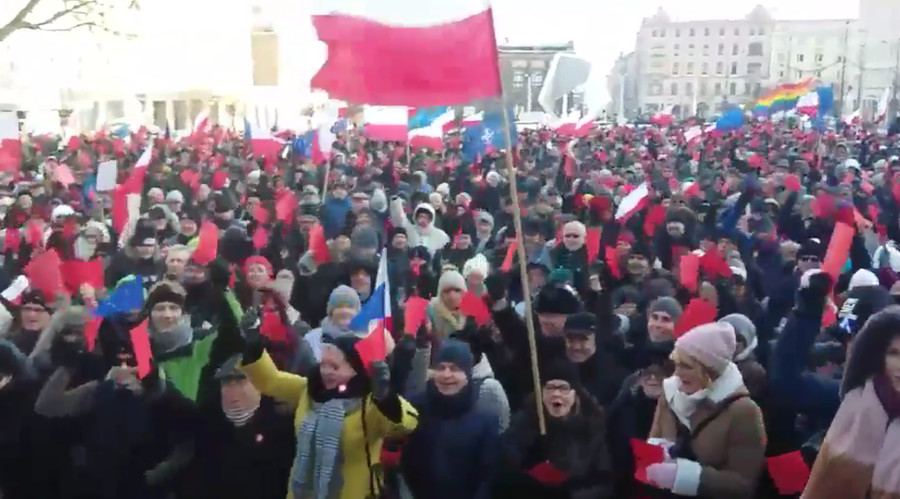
407 52
566 125
583 127
808 104
853 118
262 142
201 122
692 133
387 123
432 136
690 189
664 118
633 202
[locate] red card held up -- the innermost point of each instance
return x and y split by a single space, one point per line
688 271
372 347
792 183
592 244
43 273
713 265
285 207
698 312
318 246
207 244
645 454
414 314
77 272
472 305
612 261
548 474
508 261
91 330
140 343
789 472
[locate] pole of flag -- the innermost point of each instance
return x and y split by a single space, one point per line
523 271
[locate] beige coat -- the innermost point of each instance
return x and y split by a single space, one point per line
730 450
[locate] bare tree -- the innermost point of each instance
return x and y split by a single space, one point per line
64 15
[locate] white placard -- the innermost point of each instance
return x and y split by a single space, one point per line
106 176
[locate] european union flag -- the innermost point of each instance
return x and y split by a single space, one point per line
127 296
424 116
487 135
732 119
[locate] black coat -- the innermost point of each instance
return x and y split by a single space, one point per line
18 461
252 460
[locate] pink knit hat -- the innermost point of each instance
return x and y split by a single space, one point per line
711 344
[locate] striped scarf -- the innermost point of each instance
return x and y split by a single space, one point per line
316 473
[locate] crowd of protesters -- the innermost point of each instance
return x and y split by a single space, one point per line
740 311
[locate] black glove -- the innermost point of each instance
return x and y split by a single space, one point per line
381 380
65 353
813 292
253 339
423 337
497 286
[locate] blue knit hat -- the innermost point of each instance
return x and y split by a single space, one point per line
458 353
343 296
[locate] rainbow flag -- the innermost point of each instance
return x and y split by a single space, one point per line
784 97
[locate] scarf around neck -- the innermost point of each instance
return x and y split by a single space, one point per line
317 464
180 336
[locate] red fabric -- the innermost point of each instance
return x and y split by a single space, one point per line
261 214
789 472
838 249
10 155
284 208
548 474
713 265
34 233
91 330
119 208
472 305
655 216
272 326
260 238
218 180
510 254
792 183
645 454
77 272
317 244
12 241
208 244
452 62
43 273
592 244
140 343
414 314
698 312
372 347
689 270
612 261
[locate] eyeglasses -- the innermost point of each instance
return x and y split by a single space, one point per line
563 389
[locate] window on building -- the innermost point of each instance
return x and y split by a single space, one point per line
691 49
690 68
662 33
754 68
704 87
689 88
704 69
115 110
159 113
518 79
752 32
519 63
737 31
747 88
705 50
673 89
180 111
705 31
717 89
761 31
720 68
780 58
537 79
732 89
691 32
677 32
674 69
721 31
735 49
820 57
734 68
675 49
538 64
755 48
800 58
721 49
818 74
781 74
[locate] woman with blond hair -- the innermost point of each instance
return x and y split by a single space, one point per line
711 429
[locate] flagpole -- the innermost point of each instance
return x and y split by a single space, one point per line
523 271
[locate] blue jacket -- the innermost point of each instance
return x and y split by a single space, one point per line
452 452
334 215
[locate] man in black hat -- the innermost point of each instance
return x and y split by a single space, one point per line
593 350
139 257
249 446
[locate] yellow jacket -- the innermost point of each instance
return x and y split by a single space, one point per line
291 389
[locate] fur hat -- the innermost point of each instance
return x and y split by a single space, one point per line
557 299
166 292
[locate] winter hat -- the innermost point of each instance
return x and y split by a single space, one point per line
451 279
364 237
561 370
230 370
745 328
35 297
443 189
862 302
258 260
424 208
61 211
174 197
483 216
712 345
493 178
144 235
668 305
343 296
477 264
582 324
810 247
396 231
156 213
155 192
457 353
166 292
862 277
378 202
557 299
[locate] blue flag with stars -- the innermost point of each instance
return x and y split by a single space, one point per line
487 135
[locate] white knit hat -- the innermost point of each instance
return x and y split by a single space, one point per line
451 279
477 264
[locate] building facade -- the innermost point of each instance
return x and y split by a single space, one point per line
827 50
623 87
878 21
523 69
697 67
